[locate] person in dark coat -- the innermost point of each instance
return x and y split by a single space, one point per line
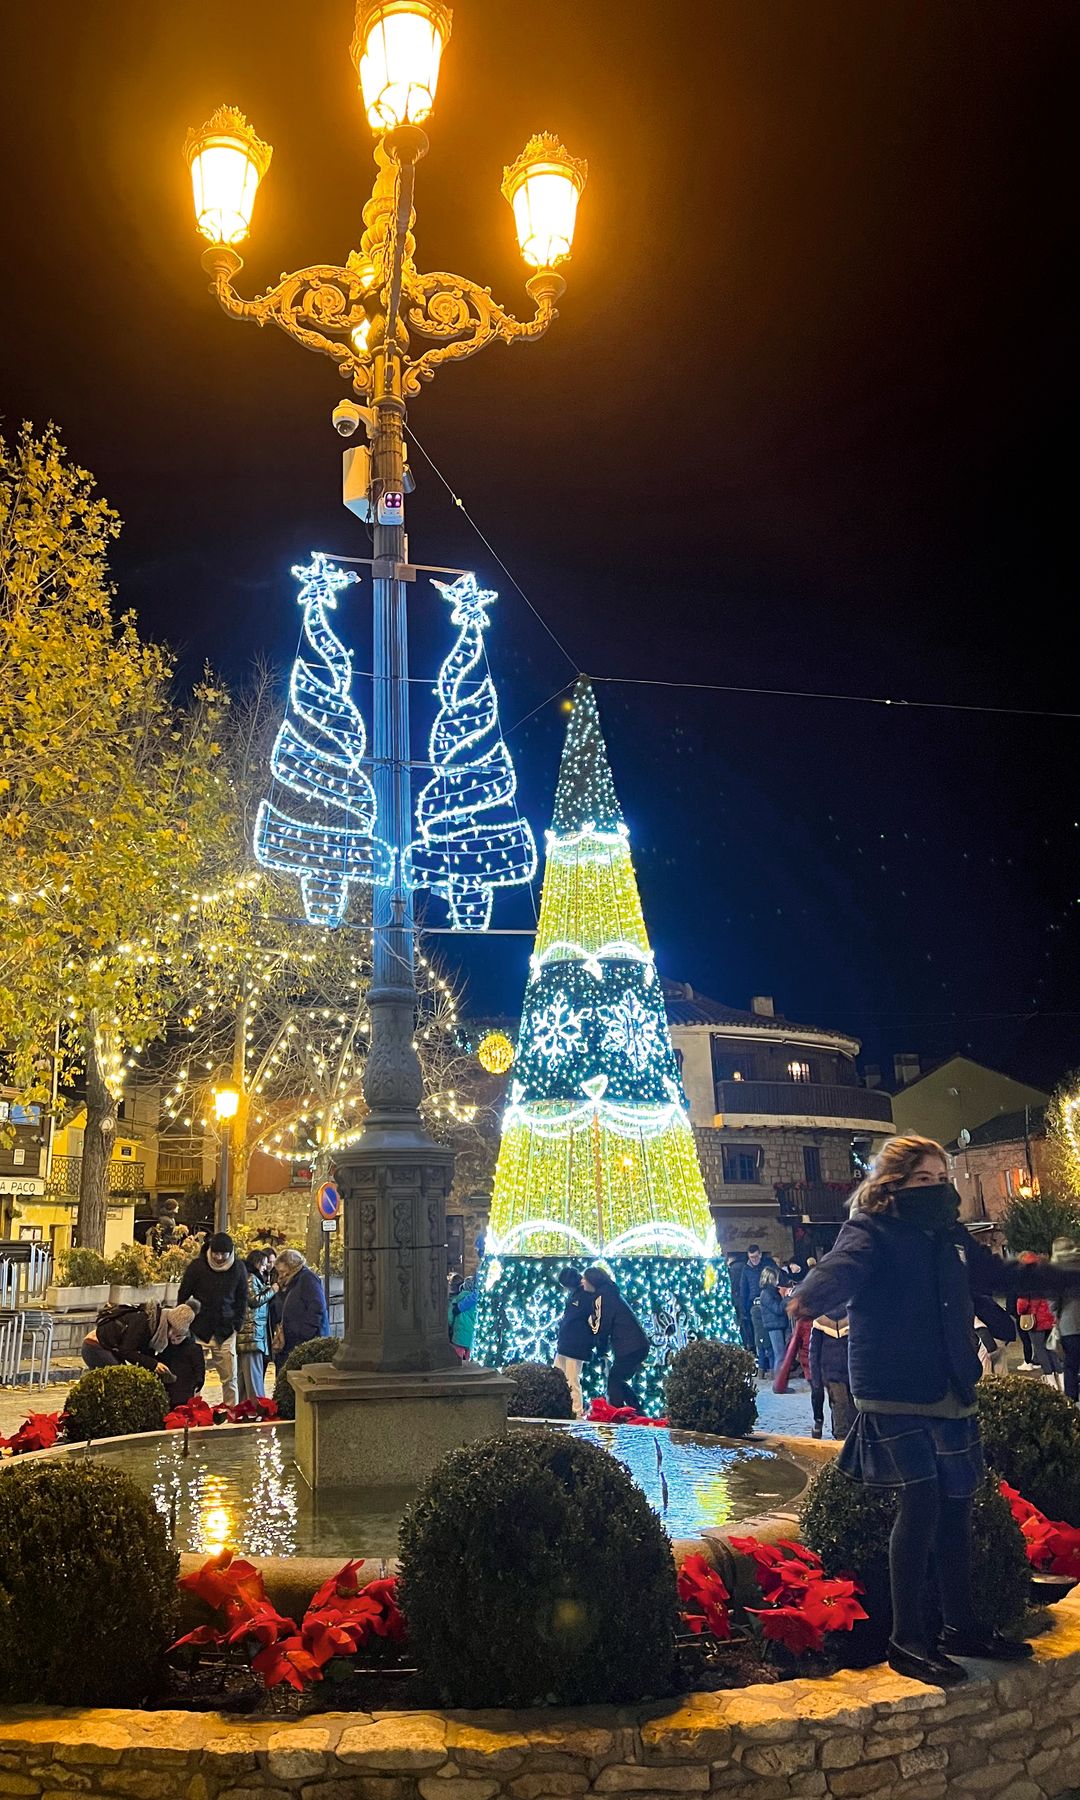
578 1330
911 1278
253 1337
749 1283
829 1374
219 1282
151 1337
621 1330
303 1313
774 1315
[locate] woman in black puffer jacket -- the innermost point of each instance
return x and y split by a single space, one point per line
910 1276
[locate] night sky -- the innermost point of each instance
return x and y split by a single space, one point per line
798 426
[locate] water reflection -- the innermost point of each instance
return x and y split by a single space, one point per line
241 1489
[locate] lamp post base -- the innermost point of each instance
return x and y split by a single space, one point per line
362 1431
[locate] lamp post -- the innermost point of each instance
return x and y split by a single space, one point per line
226 1104
367 315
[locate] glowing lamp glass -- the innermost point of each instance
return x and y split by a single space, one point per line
543 188
226 1103
227 163
397 50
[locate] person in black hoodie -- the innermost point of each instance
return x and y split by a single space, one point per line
219 1283
577 1333
620 1329
912 1278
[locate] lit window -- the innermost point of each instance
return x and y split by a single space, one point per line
799 1071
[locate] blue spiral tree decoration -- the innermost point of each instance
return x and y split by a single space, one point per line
461 854
318 755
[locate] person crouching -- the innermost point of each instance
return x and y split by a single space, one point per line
151 1337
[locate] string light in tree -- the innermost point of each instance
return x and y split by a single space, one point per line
461 855
318 755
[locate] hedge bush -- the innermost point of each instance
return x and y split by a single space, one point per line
712 1387
848 1525
88 1598
80 1268
1031 1435
540 1392
534 1572
109 1402
316 1350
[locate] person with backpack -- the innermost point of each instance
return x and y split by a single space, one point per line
220 1284
151 1337
620 1329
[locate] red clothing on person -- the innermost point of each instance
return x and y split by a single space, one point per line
1039 1310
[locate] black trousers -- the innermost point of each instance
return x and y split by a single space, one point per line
1070 1350
620 1375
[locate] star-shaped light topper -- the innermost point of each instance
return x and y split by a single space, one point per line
322 572
467 600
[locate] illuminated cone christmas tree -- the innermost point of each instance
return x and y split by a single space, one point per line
598 1154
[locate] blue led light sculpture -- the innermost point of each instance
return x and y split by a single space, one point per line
460 855
318 755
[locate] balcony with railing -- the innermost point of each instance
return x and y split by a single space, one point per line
813 1202
121 1178
806 1100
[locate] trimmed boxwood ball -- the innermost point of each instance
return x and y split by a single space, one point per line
1031 1435
848 1525
88 1597
534 1572
110 1402
540 1392
713 1388
316 1350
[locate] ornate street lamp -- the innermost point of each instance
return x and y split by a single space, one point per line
397 48
389 328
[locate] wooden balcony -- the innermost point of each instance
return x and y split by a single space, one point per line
806 1099
813 1202
121 1177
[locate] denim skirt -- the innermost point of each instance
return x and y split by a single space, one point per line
897 1450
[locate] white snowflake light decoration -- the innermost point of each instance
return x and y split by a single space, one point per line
556 1029
631 1030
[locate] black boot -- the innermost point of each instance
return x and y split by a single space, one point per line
926 1666
990 1645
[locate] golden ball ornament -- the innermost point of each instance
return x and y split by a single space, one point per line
496 1053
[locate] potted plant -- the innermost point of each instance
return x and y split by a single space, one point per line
169 1267
82 1282
131 1276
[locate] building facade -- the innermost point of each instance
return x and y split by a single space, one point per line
1004 1159
955 1096
783 1122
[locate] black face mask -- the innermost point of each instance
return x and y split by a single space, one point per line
934 1208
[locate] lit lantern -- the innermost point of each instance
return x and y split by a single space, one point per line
227 163
495 1053
544 186
226 1104
397 48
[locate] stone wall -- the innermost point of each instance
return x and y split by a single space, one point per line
747 1214
1016 1737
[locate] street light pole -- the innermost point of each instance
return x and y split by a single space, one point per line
221 1211
366 314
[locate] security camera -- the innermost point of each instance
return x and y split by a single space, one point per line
346 417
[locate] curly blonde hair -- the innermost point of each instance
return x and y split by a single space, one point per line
891 1167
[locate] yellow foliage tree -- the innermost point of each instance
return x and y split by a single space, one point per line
106 789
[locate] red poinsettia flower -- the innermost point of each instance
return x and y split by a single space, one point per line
706 1598
832 1605
287 1661
227 1584
343 1585
203 1634
265 1624
789 1625
195 1413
